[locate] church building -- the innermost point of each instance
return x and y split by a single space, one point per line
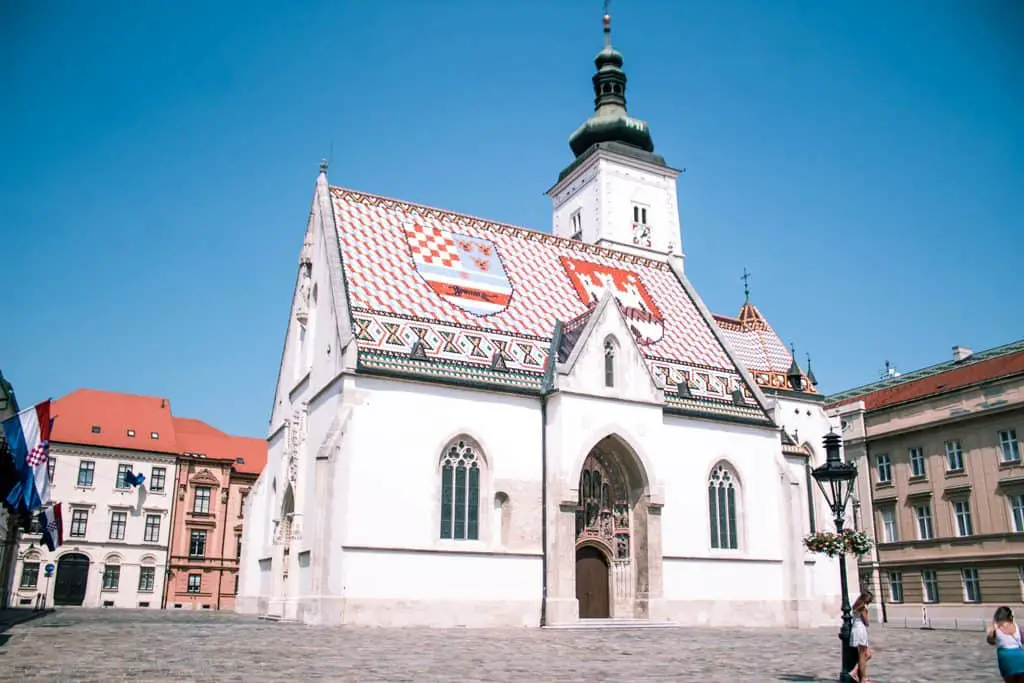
479 424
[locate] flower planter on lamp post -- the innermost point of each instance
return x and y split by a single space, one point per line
835 479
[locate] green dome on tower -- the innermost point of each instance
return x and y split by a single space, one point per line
610 122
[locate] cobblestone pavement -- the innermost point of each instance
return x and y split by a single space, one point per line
114 645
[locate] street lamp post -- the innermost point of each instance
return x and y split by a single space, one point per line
835 479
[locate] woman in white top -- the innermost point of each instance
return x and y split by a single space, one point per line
1004 633
859 636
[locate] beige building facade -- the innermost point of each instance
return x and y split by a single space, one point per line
941 485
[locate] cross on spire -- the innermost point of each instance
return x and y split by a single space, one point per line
746 285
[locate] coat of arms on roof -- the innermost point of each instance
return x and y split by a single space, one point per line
465 271
642 315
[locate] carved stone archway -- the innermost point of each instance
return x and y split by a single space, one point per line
613 513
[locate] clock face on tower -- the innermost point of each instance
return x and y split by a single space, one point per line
641 234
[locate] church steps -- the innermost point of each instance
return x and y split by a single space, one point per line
602 624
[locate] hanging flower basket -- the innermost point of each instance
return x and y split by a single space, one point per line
830 544
824 542
857 542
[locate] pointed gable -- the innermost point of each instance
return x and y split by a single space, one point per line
472 292
760 350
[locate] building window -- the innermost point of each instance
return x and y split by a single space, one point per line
118 521
152 532
111 577
51 467
1009 449
972 584
962 512
1017 512
925 531
201 503
930 585
236 583
884 468
954 456
895 586
197 544
158 479
195 583
577 224
122 476
890 533
29 575
147 579
722 508
79 522
238 546
917 462
86 469
460 492
609 363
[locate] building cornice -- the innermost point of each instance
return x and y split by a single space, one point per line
58 449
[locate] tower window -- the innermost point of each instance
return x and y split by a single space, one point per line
640 214
609 363
577 225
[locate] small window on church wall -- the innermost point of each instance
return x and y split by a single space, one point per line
460 493
722 508
609 363
577 225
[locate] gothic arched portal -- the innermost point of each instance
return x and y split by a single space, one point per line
612 520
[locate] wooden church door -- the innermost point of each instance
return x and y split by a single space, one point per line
592 583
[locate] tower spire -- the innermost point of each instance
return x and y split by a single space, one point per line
610 122
746 285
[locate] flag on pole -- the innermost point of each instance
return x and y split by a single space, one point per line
28 439
53 527
134 479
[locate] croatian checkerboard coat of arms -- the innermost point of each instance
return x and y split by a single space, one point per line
591 281
465 271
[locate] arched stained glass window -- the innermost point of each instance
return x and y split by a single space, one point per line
460 492
722 508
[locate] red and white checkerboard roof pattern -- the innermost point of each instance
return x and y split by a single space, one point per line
382 277
758 347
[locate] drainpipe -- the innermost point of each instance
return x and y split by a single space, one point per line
546 390
223 536
871 502
170 534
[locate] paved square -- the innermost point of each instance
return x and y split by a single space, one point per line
114 645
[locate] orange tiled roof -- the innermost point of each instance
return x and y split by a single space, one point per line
946 378
104 418
248 455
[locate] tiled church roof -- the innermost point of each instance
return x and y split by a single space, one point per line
759 348
482 299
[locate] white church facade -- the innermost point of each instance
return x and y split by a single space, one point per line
478 424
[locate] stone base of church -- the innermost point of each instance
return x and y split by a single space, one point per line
250 604
334 611
752 613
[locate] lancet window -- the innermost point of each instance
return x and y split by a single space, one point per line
722 508
460 492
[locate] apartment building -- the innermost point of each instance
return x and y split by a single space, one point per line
115 534
215 474
941 483
122 544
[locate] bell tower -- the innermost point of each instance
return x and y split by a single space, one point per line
617 192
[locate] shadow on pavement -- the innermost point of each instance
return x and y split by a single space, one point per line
13 617
801 677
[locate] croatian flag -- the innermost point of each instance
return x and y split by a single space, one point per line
28 438
53 527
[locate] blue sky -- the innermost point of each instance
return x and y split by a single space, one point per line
865 161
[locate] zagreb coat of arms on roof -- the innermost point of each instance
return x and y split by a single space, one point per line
465 271
639 310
